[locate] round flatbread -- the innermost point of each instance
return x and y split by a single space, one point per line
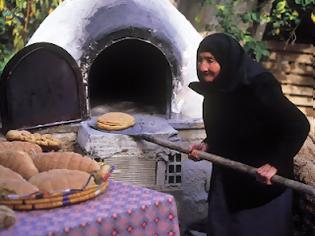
115 121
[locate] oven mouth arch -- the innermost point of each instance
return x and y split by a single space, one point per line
146 39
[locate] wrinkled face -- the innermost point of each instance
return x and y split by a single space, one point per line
208 67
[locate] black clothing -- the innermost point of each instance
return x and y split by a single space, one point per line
254 221
254 124
248 119
236 66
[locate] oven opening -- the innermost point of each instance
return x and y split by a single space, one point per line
130 76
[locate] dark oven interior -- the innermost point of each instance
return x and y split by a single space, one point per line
130 73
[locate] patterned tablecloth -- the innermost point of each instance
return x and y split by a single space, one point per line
123 209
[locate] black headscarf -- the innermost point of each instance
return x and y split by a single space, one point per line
237 67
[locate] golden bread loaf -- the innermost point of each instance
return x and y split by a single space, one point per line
7 217
65 160
115 121
6 173
61 179
46 141
16 135
30 148
16 186
19 162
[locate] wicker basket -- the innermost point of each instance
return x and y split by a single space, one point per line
38 201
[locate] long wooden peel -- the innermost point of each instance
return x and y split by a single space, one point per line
276 179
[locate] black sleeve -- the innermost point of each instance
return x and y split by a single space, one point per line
291 125
205 116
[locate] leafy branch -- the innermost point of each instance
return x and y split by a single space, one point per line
284 19
19 20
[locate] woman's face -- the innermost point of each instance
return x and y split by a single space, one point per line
208 67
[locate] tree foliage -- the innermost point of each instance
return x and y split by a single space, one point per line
284 18
19 19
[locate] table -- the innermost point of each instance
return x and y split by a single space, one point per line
123 209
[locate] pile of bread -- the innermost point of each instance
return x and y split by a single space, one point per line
46 141
25 169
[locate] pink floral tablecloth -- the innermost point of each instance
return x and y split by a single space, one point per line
123 209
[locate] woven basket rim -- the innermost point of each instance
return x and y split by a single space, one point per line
55 199
61 201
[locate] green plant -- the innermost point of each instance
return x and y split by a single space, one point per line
284 18
228 21
19 19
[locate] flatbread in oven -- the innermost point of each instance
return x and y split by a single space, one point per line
115 121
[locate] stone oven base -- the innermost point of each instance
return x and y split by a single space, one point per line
104 144
135 160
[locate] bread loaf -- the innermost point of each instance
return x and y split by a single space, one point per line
19 162
16 186
61 179
16 135
30 148
46 141
7 217
6 173
65 160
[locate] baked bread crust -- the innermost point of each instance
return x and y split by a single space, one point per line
30 148
65 160
61 179
7 173
20 162
115 121
16 186
46 141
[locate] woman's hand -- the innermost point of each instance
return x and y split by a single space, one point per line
193 151
265 173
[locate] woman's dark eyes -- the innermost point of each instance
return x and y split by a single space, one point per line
210 60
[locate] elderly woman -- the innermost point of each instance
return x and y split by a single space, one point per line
247 119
